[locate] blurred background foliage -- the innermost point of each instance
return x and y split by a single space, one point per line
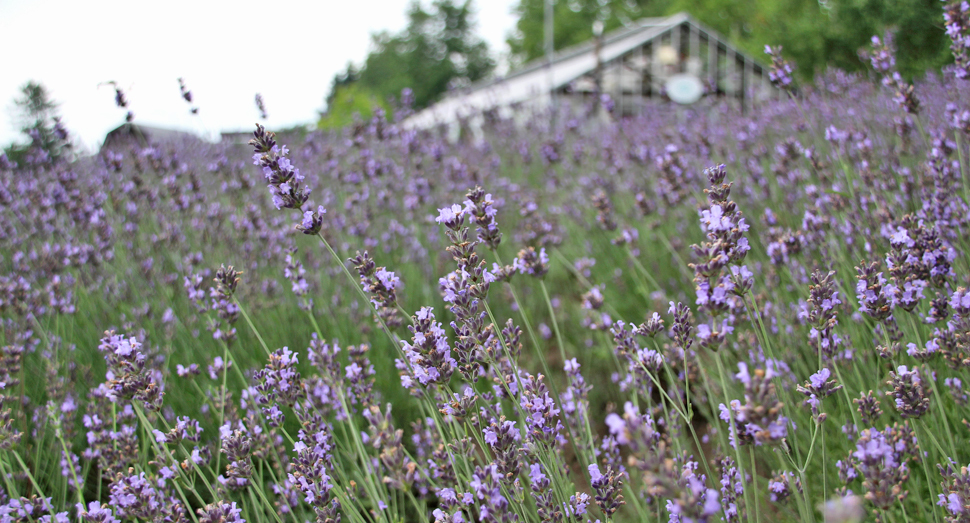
814 33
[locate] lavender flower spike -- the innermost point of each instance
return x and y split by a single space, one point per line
284 179
781 69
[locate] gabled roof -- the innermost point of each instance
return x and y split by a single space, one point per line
533 80
144 134
622 36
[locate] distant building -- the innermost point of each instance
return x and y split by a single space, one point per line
633 65
142 135
235 137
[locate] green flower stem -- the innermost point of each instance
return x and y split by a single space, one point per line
754 484
734 429
252 326
926 471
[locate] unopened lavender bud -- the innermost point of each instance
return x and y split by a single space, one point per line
868 406
909 392
652 326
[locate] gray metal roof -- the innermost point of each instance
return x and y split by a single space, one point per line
630 37
147 133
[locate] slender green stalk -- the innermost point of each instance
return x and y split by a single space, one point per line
252 326
734 427
223 398
552 318
266 502
70 464
30 476
754 484
805 511
361 293
942 415
964 177
926 471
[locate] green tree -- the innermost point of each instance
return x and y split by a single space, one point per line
814 33
349 100
39 122
438 50
921 42
817 34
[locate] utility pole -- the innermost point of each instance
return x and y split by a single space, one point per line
597 49
549 50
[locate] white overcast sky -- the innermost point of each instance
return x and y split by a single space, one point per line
227 51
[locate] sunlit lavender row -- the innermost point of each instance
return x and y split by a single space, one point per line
697 314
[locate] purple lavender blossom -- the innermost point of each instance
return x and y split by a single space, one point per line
481 210
96 513
868 406
909 392
955 497
715 290
758 420
452 216
284 179
881 463
129 376
312 221
531 262
781 70
539 486
822 316
882 58
135 496
504 440
732 491
608 488
780 486
310 475
693 501
220 513
279 381
574 400
237 445
429 355
261 106
877 297
820 385
382 285
542 421
956 18
493 507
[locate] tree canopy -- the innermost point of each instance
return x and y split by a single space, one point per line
438 50
814 33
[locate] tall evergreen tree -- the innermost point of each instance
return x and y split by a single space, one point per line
39 122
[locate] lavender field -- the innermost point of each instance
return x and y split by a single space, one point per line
692 315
